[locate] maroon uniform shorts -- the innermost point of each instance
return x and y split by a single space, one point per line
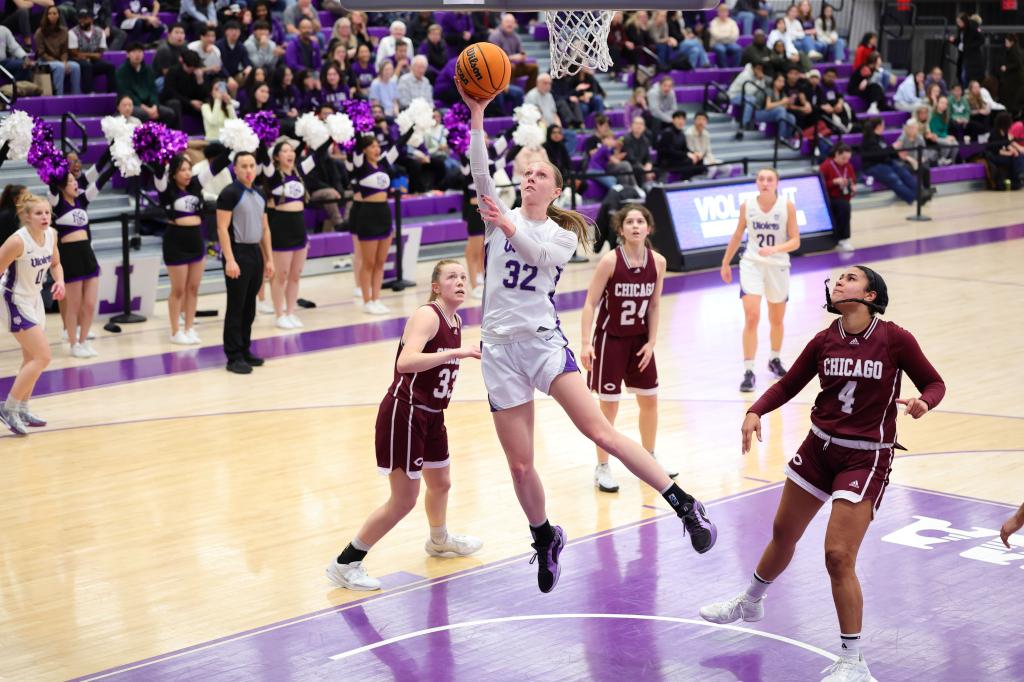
409 438
841 469
616 362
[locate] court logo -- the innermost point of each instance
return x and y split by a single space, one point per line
926 533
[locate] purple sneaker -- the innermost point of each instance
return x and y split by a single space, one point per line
703 533
548 568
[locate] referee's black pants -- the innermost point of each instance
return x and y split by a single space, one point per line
841 216
242 292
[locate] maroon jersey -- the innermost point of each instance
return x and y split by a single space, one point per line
431 388
860 380
622 310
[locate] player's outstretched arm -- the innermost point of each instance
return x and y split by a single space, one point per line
1012 525
602 273
421 327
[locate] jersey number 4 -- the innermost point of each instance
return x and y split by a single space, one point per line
630 315
447 377
517 269
846 396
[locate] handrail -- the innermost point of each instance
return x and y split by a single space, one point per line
743 103
815 147
9 101
710 104
66 144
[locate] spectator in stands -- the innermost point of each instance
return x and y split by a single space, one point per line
943 150
1012 75
907 146
140 22
360 30
617 43
637 146
799 91
932 93
445 167
881 161
415 84
724 33
234 54
418 24
757 52
826 31
51 44
22 17
170 51
662 100
507 39
386 47
87 43
261 12
568 103
692 46
384 89
261 49
217 109
542 98
196 14
749 99
558 152
601 126
1006 161
970 62
936 77
981 113
673 154
304 51
293 15
9 221
337 53
207 50
610 157
310 90
361 72
333 89
840 180
126 109
258 100
136 79
826 93
13 56
881 75
401 60
640 43
666 45
959 112
776 108
435 50
698 141
805 16
342 31
868 46
861 85
939 124
753 13
784 52
636 105
798 34
183 87
910 93
285 97
457 30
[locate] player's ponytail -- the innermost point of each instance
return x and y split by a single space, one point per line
577 223
25 202
435 276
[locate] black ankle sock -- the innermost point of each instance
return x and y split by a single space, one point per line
350 554
543 534
678 498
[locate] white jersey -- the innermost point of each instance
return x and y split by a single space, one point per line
766 228
24 278
520 272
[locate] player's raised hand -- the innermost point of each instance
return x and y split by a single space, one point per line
587 356
476 106
1012 525
492 213
751 425
645 354
916 407
726 273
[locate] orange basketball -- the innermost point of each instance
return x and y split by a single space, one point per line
483 70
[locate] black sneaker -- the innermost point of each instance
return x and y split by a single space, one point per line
239 367
303 303
748 382
253 361
776 368
548 568
703 533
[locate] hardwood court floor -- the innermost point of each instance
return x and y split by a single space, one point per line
153 515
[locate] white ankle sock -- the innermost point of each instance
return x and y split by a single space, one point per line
774 355
758 586
360 545
849 645
748 365
438 534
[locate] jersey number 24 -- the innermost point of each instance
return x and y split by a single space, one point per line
630 315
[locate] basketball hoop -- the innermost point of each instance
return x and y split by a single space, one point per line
579 38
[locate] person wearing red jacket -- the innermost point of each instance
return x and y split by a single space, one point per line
847 456
840 182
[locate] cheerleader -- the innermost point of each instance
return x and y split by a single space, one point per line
286 193
412 441
24 259
626 291
81 270
370 215
184 249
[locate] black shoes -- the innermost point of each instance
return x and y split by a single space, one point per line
748 382
253 361
239 367
776 368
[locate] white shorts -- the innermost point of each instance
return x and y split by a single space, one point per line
513 370
18 313
763 279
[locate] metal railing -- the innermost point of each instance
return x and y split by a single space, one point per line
8 77
66 144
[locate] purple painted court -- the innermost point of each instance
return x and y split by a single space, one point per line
938 606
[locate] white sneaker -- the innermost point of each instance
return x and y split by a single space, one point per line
734 609
848 669
181 339
285 322
815 55
13 421
873 108
296 322
845 246
604 480
478 291
89 349
265 307
357 293
78 351
669 471
381 308
454 545
372 309
193 338
351 576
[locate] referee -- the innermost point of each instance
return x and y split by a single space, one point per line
245 247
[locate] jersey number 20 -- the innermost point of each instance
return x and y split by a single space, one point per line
629 314
765 240
447 377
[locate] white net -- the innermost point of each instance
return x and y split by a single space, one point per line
579 39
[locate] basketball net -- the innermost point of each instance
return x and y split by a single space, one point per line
579 39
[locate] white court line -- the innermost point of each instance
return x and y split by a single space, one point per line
400 591
954 496
608 616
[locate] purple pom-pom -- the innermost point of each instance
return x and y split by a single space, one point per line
458 138
44 156
157 144
265 125
457 113
361 115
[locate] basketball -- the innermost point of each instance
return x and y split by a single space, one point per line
483 70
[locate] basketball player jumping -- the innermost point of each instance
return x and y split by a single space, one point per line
411 438
847 456
769 219
523 347
626 291
24 259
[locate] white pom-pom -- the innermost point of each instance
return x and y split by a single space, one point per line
340 127
122 153
116 128
17 130
312 130
237 136
419 116
527 113
529 135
